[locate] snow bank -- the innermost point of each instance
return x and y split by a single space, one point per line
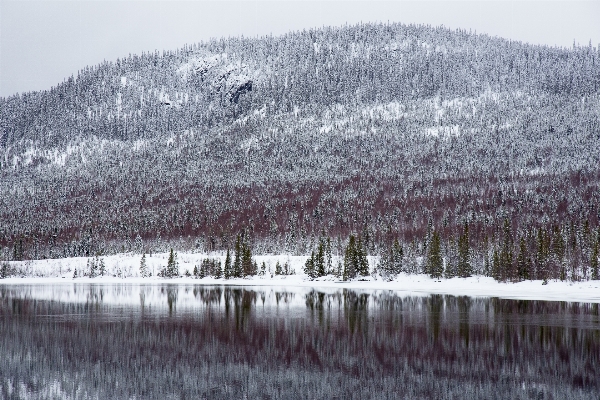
124 269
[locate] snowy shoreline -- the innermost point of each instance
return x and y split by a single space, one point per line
124 269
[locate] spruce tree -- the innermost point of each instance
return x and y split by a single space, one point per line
350 259
102 267
263 268
523 261
144 272
88 268
172 269
217 271
496 274
309 266
397 256
435 263
542 256
594 258
464 263
4 270
506 254
93 267
248 267
362 264
328 257
385 267
319 259
228 270
278 270
237 258
558 253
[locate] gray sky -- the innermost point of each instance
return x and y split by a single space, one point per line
43 42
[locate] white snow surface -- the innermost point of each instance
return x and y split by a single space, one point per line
124 269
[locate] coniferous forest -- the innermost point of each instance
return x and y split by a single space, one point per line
440 151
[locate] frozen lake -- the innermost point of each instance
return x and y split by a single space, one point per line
159 341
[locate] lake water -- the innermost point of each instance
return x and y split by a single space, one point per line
191 341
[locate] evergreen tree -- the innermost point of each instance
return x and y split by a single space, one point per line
390 264
506 254
228 270
464 262
203 271
93 265
496 274
237 258
350 259
319 259
435 263
523 261
397 256
4 270
558 254
487 269
450 260
88 268
328 257
217 272
362 264
278 270
18 250
102 267
385 267
573 249
172 268
287 270
309 266
339 269
263 269
542 256
249 267
594 258
144 271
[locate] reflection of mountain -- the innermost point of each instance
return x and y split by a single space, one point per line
368 128
349 344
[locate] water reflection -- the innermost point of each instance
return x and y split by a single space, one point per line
186 341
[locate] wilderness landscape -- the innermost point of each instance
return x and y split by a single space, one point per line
387 132
377 210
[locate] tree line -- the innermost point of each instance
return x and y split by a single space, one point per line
569 253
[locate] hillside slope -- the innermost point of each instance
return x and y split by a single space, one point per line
387 131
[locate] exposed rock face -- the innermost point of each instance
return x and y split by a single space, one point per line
236 91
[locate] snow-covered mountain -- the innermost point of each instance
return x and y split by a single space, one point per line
388 131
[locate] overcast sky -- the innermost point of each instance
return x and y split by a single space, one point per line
43 42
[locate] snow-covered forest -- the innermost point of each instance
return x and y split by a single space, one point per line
440 151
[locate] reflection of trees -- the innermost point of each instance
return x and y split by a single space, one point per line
316 301
142 300
464 306
208 295
278 353
172 298
435 303
95 296
285 297
242 301
355 309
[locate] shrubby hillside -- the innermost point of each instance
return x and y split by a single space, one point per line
388 132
